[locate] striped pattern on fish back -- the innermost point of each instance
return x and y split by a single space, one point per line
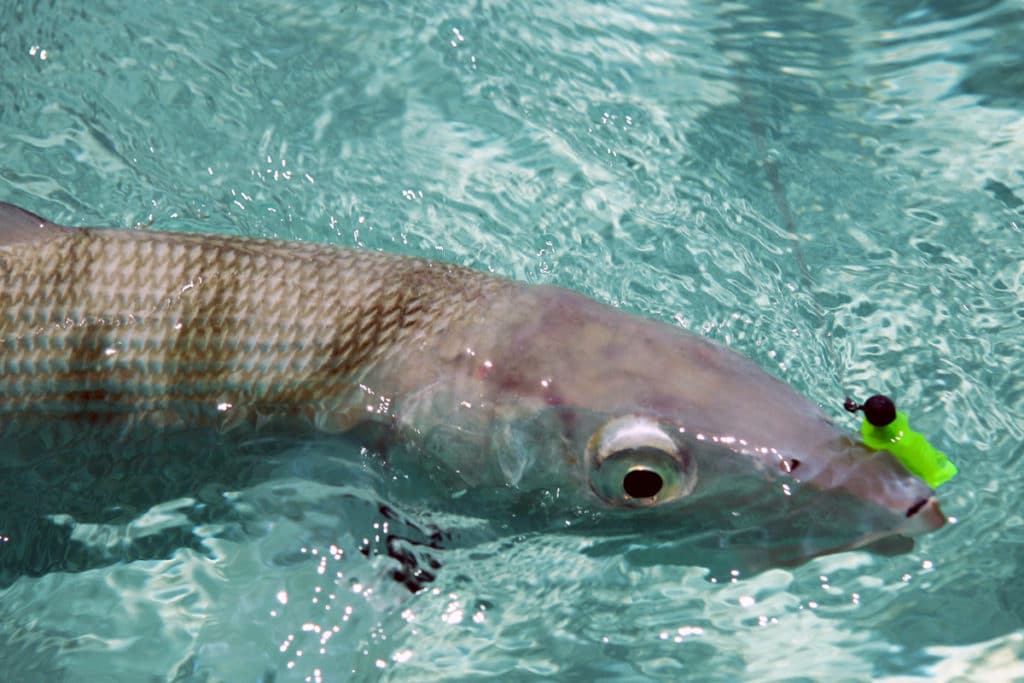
118 320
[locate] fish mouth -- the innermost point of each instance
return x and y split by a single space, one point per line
923 517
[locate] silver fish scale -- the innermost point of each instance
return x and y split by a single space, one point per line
125 320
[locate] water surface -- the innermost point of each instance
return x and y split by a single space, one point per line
834 189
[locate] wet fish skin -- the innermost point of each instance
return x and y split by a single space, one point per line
567 363
130 321
502 382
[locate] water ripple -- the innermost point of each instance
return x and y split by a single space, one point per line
832 188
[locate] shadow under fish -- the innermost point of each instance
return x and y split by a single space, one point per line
533 407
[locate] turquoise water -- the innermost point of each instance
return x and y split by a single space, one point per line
835 189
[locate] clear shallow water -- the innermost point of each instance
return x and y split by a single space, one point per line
834 189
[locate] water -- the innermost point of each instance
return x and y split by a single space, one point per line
835 189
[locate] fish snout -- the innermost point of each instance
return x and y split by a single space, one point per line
880 480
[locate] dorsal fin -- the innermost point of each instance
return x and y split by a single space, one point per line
18 225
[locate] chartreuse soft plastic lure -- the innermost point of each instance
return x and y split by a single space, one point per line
886 428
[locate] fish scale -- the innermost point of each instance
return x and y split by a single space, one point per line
150 319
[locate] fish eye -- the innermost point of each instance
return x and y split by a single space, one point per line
633 462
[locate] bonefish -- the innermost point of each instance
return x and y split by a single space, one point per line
509 386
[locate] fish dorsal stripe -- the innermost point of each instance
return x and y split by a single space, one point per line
18 225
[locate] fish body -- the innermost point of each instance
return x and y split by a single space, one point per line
132 321
506 385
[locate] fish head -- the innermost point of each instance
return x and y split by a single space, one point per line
647 422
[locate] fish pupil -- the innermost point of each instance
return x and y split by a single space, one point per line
642 483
